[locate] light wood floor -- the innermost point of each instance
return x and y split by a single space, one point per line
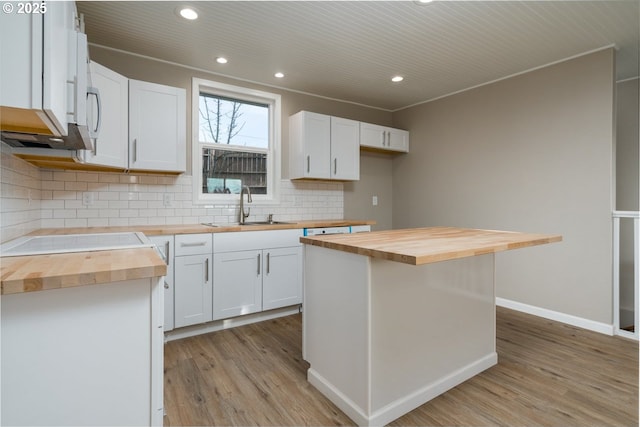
548 374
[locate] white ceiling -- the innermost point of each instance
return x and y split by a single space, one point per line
350 50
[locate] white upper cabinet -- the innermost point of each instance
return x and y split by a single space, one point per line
111 116
157 127
383 138
345 150
323 147
35 67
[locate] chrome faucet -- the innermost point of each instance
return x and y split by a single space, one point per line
242 216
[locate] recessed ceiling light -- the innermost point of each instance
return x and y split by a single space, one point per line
188 13
221 60
397 79
279 75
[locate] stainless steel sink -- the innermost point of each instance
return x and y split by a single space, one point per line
235 224
266 222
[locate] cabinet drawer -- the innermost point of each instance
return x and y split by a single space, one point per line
193 244
249 240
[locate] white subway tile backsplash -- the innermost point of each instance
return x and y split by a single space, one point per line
64 176
139 199
115 222
69 223
20 195
75 186
52 223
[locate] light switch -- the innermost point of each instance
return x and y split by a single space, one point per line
374 200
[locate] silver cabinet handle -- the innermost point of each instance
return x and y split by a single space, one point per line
388 138
186 245
335 166
135 150
384 137
259 264
268 262
308 163
93 132
206 270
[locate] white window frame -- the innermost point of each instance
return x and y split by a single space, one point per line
273 100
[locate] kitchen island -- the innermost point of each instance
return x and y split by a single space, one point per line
394 318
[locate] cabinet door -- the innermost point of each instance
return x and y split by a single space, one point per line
192 290
310 144
398 140
237 284
111 146
282 281
166 248
34 69
373 136
58 22
157 127
345 149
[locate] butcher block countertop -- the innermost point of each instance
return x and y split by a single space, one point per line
419 246
161 230
43 272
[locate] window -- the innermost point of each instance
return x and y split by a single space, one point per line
236 139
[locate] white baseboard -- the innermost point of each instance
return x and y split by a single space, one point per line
557 316
405 404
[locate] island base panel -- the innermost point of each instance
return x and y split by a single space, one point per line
409 332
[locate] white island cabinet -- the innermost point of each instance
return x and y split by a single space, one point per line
85 355
394 318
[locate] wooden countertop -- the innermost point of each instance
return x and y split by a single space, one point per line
43 272
426 245
160 230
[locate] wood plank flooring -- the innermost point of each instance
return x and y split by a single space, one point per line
548 374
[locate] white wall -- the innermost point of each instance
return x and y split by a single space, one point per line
530 153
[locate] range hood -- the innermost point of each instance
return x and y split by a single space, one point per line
77 138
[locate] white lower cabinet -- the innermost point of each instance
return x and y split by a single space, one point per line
166 247
193 279
282 279
224 275
255 271
237 283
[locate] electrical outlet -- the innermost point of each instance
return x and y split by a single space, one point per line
167 200
87 199
374 200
